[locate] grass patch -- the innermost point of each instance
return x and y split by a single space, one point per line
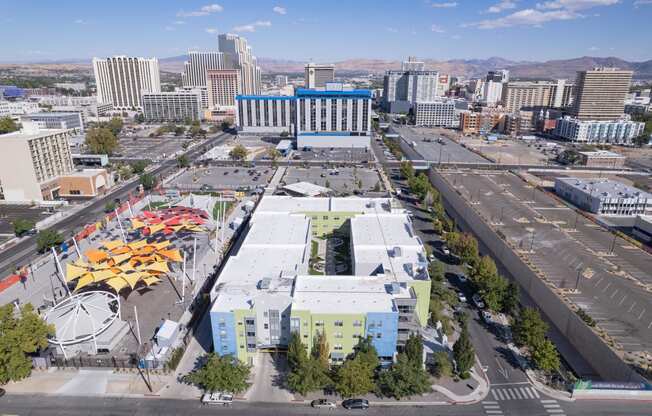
159 204
217 209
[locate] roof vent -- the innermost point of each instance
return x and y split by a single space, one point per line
397 252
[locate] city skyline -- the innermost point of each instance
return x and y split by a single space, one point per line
434 29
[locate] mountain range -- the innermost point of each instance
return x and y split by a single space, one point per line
467 68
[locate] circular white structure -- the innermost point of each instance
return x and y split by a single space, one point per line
83 317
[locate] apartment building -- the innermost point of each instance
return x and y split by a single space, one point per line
121 80
173 107
620 131
436 113
223 86
600 94
539 94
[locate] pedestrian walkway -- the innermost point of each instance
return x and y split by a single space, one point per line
491 408
515 393
553 408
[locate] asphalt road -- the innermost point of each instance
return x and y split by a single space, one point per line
22 253
72 406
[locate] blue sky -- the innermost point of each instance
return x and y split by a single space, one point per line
329 30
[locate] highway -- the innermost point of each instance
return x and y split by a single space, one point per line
25 251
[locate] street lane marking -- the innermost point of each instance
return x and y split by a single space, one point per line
548 401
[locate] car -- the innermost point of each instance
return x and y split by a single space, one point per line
225 399
462 278
477 301
445 251
486 316
323 404
2 392
362 404
431 257
461 297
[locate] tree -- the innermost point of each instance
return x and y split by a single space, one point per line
22 226
464 353
320 350
101 140
511 299
441 366
297 353
110 206
115 125
47 239
354 377
414 350
225 125
468 249
545 357
308 377
125 172
8 125
148 181
179 130
642 140
528 328
239 152
436 271
403 379
221 373
284 134
367 352
138 167
139 118
182 161
273 154
407 171
20 334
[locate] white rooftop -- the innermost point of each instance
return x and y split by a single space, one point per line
605 188
307 189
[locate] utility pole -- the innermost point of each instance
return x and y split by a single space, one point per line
117 217
58 265
577 282
137 325
613 244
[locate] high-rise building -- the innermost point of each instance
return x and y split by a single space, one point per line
176 106
223 86
545 94
600 94
120 80
281 80
413 65
402 89
238 55
317 75
498 76
265 114
194 69
435 113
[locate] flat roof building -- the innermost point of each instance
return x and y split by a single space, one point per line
600 94
435 113
318 75
121 80
621 131
56 120
604 196
175 106
223 86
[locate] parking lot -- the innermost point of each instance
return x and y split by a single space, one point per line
347 181
216 178
571 252
336 154
153 148
11 213
446 151
512 151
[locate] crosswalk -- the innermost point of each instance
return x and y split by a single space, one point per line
491 408
514 393
553 408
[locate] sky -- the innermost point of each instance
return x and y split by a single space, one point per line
328 30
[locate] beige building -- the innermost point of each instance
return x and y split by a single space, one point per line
600 94
31 161
87 183
523 94
223 86
317 75
601 159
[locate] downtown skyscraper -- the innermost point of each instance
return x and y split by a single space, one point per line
120 80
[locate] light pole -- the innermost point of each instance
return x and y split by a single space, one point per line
577 282
613 244
532 241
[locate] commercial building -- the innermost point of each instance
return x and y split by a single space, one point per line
412 64
402 89
601 159
281 80
32 160
540 94
121 80
56 120
600 94
270 288
17 108
265 114
175 106
318 75
238 55
195 70
604 196
87 183
520 123
435 113
223 86
643 229
492 92
620 131
472 122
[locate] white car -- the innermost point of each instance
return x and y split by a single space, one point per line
477 301
461 297
225 399
323 404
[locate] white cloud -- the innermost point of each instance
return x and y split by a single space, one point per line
526 17
502 6
594 48
445 5
81 22
642 3
251 27
437 29
280 10
392 30
574 5
210 30
203 11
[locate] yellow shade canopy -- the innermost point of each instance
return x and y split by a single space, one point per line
101 275
161 245
156 228
73 272
85 280
121 250
96 256
137 244
158 267
172 255
151 280
121 258
117 283
111 245
127 267
136 224
133 278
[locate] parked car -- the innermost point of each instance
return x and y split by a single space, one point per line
477 301
356 404
462 278
323 404
225 399
431 257
2 392
445 251
461 297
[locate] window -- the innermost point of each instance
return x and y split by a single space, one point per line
319 323
338 335
338 323
266 326
337 347
251 334
379 335
356 336
325 217
357 323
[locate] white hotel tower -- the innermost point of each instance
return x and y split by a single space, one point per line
120 80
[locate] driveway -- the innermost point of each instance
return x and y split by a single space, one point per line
268 375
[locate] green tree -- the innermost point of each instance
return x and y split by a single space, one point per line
354 377
179 130
407 170
239 152
642 140
125 172
403 379
528 328
273 154
297 353
308 377
436 271
183 161
367 352
414 350
115 125
21 333
148 181
110 206
46 239
511 299
468 249
22 226
225 125
139 118
138 167
101 140
464 353
320 350
545 357
220 373
8 125
441 366
284 134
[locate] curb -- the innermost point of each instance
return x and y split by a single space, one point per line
547 390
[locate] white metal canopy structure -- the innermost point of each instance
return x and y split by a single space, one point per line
82 317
